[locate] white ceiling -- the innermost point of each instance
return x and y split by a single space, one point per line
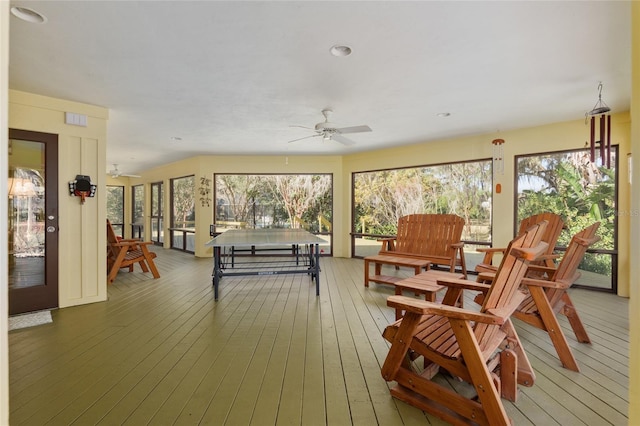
233 77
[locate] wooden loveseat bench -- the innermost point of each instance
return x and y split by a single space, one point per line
422 240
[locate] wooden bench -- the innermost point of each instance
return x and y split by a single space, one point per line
432 237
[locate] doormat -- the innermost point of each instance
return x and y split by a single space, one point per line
29 320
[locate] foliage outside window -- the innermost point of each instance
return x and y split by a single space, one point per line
157 212
274 201
137 205
183 202
137 211
382 197
183 213
115 208
582 192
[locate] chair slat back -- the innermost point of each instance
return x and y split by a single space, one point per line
554 227
429 233
111 240
567 271
512 269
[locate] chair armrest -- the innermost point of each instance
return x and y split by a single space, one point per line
458 245
464 284
587 241
423 307
134 243
541 268
491 250
481 267
530 253
566 283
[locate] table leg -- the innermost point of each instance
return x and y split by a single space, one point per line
317 267
366 273
217 271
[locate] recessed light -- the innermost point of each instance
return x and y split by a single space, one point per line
340 50
443 114
28 15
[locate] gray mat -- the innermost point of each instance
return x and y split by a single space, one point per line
29 320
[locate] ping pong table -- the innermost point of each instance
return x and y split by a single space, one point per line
305 255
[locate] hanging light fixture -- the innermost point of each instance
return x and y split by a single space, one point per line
601 110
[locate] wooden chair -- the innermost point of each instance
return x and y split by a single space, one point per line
481 348
126 253
548 297
486 269
432 237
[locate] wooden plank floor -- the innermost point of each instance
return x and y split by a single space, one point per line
269 352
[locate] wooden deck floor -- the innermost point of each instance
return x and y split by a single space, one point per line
270 352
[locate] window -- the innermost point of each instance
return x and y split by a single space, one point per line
569 184
157 231
275 201
137 211
381 197
115 208
183 214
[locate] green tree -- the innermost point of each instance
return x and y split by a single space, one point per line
184 200
299 193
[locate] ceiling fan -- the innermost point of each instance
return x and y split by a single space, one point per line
115 173
329 131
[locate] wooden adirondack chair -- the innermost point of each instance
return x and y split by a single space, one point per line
481 348
486 269
548 297
126 253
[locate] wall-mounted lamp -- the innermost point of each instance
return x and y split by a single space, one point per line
82 187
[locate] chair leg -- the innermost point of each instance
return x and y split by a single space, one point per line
525 375
508 375
400 346
574 319
553 329
480 375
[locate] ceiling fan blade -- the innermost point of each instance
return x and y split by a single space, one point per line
306 137
303 127
354 129
341 139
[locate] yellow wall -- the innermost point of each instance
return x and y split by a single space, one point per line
548 138
82 150
206 166
634 267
